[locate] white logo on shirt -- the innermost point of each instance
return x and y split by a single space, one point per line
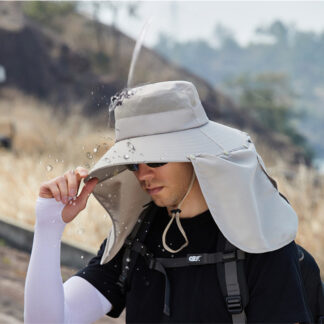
194 258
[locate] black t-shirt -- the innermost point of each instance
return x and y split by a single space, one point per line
276 292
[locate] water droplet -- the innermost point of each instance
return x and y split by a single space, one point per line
128 260
80 231
74 204
74 198
163 250
125 227
109 195
115 265
56 160
137 268
96 149
126 157
83 147
159 245
139 220
131 147
89 155
91 93
87 165
83 272
127 267
147 283
49 168
107 159
101 184
82 257
172 255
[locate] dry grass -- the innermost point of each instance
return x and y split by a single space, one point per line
46 145
46 139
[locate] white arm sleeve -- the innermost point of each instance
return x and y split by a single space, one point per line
47 300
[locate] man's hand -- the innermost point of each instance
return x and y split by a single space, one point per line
65 189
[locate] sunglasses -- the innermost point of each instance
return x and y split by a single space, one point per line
134 167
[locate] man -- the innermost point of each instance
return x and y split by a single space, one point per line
176 164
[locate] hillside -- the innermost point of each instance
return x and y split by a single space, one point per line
61 64
295 54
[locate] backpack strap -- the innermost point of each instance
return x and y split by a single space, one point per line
232 280
229 260
160 264
313 284
321 303
137 235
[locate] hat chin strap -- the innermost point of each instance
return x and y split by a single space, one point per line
175 213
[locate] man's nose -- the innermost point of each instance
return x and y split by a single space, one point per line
144 172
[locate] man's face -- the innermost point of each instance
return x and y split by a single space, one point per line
170 181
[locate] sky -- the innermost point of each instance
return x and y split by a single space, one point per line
187 20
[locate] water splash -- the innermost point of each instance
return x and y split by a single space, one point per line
131 147
136 51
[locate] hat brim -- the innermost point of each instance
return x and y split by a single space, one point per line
211 138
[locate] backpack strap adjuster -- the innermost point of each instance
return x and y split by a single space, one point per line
234 304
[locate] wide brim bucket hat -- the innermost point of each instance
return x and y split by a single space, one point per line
166 122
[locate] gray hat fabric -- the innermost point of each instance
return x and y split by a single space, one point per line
165 122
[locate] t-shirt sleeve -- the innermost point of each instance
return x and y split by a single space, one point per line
276 289
104 278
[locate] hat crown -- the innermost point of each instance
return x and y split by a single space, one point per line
159 108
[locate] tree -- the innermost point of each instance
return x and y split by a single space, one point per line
269 99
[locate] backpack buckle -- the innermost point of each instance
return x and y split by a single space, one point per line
234 304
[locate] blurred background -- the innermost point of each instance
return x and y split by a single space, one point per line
258 66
